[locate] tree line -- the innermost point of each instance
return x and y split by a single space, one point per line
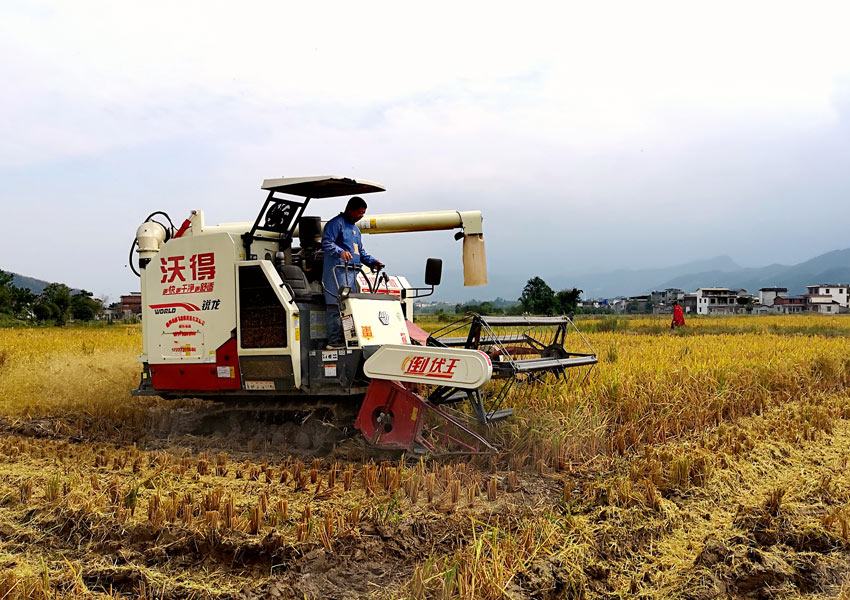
56 303
538 299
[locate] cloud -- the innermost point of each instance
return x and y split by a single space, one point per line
85 74
611 130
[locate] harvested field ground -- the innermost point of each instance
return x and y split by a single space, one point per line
705 463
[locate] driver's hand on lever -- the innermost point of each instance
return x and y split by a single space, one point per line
378 265
345 256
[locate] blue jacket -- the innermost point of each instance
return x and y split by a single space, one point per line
340 236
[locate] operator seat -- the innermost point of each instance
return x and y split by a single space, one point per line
295 278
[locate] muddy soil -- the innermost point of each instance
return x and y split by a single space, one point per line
770 521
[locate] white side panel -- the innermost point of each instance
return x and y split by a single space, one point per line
458 367
188 299
187 343
373 322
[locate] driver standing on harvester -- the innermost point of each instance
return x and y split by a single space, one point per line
342 245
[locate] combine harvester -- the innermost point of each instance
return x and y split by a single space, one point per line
235 313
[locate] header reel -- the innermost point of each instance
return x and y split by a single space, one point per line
428 418
523 351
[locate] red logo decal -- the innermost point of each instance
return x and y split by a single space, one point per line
188 306
202 266
441 368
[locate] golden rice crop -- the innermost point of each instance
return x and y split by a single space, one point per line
807 324
672 402
45 371
649 388
646 388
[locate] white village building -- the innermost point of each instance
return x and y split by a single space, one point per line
768 295
836 291
824 304
719 301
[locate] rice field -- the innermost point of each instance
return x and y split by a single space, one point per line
709 462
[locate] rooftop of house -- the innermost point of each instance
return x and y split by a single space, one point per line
822 300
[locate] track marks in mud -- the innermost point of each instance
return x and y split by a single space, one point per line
755 508
183 523
770 521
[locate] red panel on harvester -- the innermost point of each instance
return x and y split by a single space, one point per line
222 375
416 333
391 416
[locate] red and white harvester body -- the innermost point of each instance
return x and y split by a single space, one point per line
236 313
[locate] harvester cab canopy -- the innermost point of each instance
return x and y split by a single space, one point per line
279 217
323 186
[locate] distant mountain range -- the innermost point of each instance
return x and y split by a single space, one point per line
625 282
720 271
34 285
832 267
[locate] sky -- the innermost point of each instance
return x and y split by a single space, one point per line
593 136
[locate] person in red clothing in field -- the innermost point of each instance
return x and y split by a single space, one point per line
678 317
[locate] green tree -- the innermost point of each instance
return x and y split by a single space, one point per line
84 307
6 292
43 310
566 301
22 302
537 297
482 308
57 296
